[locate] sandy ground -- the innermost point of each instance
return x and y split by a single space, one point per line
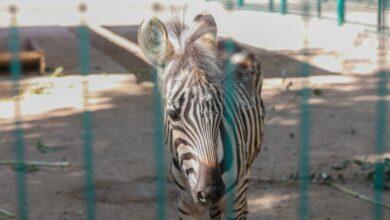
342 126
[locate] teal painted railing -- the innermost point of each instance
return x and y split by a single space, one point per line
319 8
16 72
159 151
381 24
228 148
271 5
381 131
283 7
340 12
323 9
84 62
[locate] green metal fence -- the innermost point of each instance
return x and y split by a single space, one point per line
325 9
84 63
87 117
14 47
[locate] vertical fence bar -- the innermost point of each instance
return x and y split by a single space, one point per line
319 8
16 72
381 126
340 12
283 7
381 15
229 4
304 147
159 150
304 170
271 5
84 62
228 145
381 122
306 9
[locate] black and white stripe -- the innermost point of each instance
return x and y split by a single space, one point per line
201 116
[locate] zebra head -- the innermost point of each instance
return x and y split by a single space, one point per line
189 76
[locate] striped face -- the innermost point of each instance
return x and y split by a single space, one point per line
190 83
193 113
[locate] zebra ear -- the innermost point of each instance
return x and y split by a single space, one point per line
207 29
153 41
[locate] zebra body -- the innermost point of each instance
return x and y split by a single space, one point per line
207 123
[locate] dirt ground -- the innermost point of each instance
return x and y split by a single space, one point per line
342 127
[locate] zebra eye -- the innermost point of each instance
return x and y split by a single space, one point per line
173 114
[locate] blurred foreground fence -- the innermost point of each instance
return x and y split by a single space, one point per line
318 8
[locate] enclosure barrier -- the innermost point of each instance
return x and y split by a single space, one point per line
304 164
340 12
84 62
380 7
283 7
16 72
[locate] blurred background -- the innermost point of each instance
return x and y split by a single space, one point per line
340 45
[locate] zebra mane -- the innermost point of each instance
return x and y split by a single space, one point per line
189 50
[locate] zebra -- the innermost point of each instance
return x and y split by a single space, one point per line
201 115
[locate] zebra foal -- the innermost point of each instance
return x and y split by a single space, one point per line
206 124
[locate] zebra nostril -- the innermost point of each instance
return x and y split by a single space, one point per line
202 197
211 194
214 193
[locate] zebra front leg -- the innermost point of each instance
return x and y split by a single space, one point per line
240 204
188 210
239 212
215 212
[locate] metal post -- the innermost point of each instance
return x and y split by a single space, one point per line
84 62
228 145
319 8
381 15
16 72
304 159
381 116
159 150
340 12
381 124
271 5
240 3
304 170
229 4
283 7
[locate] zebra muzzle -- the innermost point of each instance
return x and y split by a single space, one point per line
210 187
